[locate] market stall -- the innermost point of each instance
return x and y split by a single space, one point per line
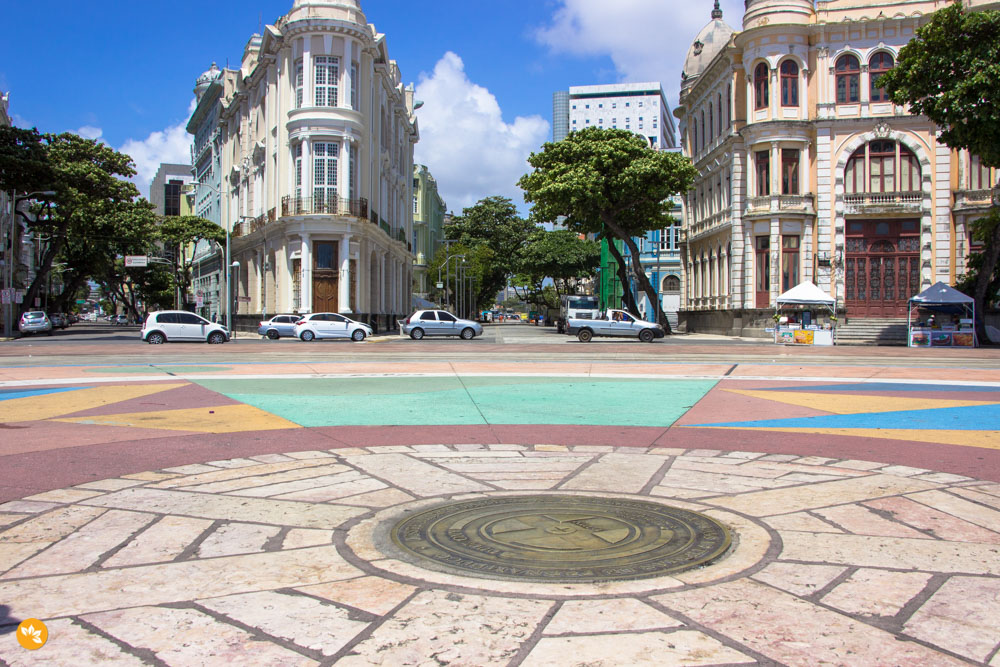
796 317
944 318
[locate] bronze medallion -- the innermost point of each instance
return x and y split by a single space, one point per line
560 538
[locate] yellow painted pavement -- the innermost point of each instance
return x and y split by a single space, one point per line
48 406
218 419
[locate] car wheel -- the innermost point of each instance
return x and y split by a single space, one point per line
585 335
646 336
156 338
417 334
216 338
468 333
358 335
273 334
307 335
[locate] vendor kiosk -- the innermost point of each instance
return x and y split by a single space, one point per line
799 303
941 316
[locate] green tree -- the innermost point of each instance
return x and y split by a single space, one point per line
608 183
949 73
88 180
492 224
131 229
181 233
558 254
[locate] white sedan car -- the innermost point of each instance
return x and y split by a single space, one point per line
330 325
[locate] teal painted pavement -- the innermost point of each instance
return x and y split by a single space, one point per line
419 401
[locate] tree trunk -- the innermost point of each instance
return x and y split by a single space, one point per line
641 277
627 296
991 255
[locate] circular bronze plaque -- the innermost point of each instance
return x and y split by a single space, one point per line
560 538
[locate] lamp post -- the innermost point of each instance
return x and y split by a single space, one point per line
229 295
445 266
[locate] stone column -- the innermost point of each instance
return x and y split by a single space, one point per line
344 282
306 291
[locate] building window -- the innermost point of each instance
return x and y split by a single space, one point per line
762 247
297 155
671 285
879 64
760 97
789 84
848 79
979 174
762 161
719 114
882 166
789 171
326 72
415 207
296 284
172 198
325 177
299 82
355 98
789 262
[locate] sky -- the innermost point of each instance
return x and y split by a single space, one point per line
123 72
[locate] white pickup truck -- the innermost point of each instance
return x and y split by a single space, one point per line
614 323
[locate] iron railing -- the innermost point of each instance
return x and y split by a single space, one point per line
357 208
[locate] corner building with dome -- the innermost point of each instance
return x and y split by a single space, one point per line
313 145
808 172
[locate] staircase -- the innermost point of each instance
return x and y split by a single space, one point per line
888 331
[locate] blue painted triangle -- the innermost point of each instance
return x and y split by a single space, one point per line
8 394
969 418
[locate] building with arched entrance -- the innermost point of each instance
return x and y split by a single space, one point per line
315 140
808 172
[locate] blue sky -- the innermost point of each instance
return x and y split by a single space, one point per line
124 71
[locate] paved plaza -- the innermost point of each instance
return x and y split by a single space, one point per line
200 507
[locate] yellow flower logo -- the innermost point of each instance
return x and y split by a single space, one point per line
32 634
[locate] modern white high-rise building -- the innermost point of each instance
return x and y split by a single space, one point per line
639 107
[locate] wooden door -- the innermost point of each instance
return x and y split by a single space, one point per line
882 268
324 294
762 268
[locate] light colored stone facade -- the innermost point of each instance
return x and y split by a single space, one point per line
316 144
807 171
428 227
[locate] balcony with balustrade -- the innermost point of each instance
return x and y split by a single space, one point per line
770 204
881 203
976 200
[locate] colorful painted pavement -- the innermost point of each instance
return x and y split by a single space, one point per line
231 513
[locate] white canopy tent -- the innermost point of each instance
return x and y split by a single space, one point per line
807 294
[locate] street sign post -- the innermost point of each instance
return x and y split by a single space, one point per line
136 261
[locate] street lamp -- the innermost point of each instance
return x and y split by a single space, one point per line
229 295
445 266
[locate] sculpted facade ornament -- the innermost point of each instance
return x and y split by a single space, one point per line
882 130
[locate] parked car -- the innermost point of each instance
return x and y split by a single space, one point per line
35 321
179 325
330 325
440 323
614 323
278 326
58 320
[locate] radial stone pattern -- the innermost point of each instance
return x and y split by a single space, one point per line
560 538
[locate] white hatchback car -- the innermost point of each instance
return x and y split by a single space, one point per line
178 325
330 325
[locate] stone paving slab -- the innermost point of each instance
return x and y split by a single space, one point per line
867 564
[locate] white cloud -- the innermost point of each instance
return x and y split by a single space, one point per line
172 145
647 40
465 142
90 132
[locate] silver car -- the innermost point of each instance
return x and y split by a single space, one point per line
440 323
35 321
279 326
330 325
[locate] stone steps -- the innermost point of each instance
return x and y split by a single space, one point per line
873 331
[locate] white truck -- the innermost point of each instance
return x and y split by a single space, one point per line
614 323
577 307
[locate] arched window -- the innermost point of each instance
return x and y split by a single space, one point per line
719 106
760 86
789 84
879 64
848 79
704 137
711 122
671 284
882 166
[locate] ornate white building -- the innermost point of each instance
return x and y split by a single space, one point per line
316 144
808 172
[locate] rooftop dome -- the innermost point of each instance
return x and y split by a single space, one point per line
205 80
712 39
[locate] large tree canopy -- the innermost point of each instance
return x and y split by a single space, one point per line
558 254
180 234
491 224
949 73
609 183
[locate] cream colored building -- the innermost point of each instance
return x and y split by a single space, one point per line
317 162
808 172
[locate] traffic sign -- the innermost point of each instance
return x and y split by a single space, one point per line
7 296
136 261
